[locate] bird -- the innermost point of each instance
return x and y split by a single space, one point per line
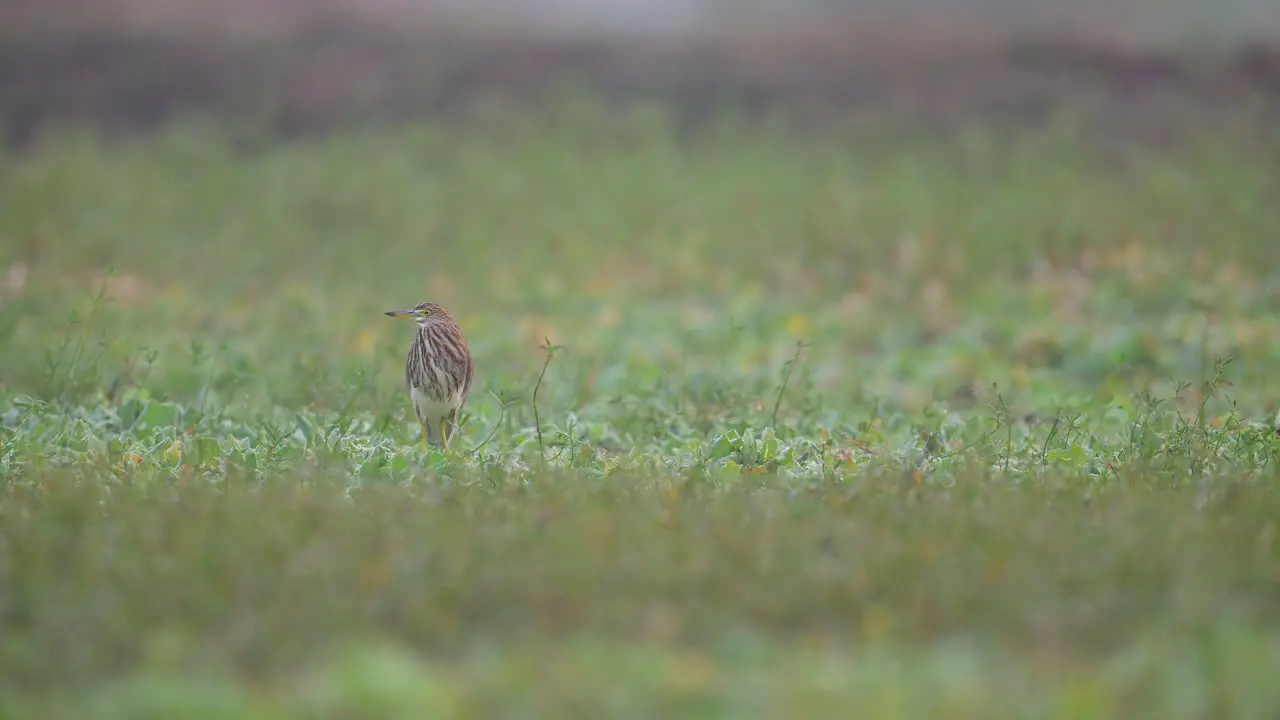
438 371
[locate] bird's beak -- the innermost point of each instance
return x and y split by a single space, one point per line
399 313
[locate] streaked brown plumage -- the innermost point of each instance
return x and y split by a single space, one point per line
438 371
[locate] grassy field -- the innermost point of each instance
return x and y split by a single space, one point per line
910 425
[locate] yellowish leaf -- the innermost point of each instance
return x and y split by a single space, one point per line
364 343
798 325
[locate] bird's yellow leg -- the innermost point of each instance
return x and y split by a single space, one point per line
444 434
424 439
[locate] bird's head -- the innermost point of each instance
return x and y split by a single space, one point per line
423 313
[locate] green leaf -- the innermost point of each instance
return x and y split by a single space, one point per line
721 447
159 415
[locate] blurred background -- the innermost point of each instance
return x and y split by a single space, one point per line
1008 243
297 65
586 172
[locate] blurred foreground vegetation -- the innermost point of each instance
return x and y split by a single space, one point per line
969 424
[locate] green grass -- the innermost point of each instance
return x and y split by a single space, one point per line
919 426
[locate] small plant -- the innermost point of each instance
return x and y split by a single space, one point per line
550 351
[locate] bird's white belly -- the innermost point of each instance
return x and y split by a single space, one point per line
430 408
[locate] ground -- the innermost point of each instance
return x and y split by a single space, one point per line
789 401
